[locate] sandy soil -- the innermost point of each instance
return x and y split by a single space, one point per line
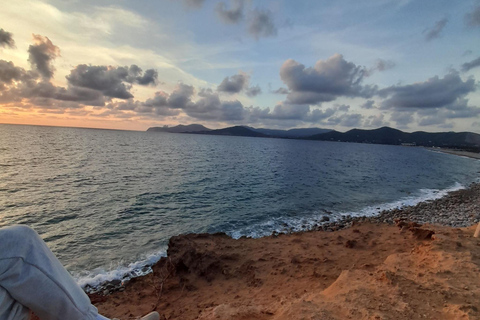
369 271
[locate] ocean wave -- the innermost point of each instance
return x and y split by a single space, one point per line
92 281
298 224
95 280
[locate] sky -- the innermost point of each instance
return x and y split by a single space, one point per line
118 64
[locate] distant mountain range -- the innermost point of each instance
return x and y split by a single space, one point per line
292 133
242 131
384 135
388 135
180 128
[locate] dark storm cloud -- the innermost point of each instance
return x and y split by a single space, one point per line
233 84
253 91
434 93
232 15
467 66
41 55
114 82
261 24
326 81
6 39
434 32
472 18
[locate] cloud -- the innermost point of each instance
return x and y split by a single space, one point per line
326 81
210 107
181 97
298 113
369 104
433 101
9 72
46 90
195 4
347 120
281 91
150 77
232 16
142 108
434 93
402 119
472 18
460 109
434 32
233 84
41 55
467 66
253 91
376 121
261 24
6 39
383 65
114 82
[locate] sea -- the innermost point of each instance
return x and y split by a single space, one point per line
106 202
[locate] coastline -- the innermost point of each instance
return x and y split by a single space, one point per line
401 269
461 153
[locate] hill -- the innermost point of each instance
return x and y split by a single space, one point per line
233 131
388 135
292 133
180 128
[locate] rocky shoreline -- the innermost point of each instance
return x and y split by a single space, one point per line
457 209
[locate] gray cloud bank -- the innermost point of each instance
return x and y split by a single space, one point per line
114 82
326 81
433 101
108 89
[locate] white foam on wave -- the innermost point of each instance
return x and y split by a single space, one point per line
92 280
284 225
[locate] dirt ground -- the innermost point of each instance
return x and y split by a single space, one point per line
369 271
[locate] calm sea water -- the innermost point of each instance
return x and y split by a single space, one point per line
107 202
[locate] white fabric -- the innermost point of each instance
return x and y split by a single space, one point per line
31 277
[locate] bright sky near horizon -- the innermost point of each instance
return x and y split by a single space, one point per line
338 64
